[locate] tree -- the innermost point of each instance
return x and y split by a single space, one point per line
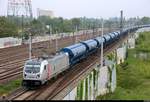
37 27
67 26
145 20
7 28
76 22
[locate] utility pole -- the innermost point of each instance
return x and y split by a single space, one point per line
56 43
76 40
121 22
49 29
93 28
30 46
50 32
99 30
109 26
102 45
76 28
22 28
73 38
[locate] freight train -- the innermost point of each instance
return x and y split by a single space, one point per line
38 71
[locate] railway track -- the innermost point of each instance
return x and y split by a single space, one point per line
12 61
72 79
54 87
86 67
45 91
18 92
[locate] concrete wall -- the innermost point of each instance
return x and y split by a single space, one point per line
131 43
121 54
53 36
99 82
133 37
144 29
9 42
113 79
103 81
71 95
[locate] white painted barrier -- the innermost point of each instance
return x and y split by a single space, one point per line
103 80
121 55
95 84
9 42
147 29
131 43
71 95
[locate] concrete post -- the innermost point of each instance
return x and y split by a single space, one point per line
56 43
101 62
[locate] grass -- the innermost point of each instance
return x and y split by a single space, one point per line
12 85
133 80
143 42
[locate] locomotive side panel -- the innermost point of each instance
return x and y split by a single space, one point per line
59 64
107 38
75 50
91 44
112 35
100 40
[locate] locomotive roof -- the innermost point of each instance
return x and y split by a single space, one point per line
40 59
34 61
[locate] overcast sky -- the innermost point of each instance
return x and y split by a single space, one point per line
89 8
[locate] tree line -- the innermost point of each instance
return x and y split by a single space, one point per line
18 26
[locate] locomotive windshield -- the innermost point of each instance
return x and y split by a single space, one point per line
32 67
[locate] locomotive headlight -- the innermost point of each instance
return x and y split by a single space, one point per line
38 75
25 75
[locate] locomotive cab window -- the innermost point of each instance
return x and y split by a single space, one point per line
32 68
45 67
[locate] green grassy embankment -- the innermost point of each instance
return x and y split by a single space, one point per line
7 88
133 77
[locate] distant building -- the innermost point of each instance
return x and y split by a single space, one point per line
41 12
